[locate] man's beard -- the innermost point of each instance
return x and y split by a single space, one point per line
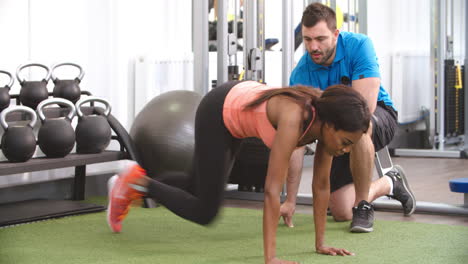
326 55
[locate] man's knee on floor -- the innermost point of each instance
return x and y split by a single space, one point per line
341 216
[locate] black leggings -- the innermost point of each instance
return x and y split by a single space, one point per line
214 155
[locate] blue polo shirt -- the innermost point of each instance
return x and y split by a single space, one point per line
355 59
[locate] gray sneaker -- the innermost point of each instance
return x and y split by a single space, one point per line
363 218
401 190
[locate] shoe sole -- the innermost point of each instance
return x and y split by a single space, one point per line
360 229
407 188
110 186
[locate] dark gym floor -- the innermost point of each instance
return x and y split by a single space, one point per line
428 178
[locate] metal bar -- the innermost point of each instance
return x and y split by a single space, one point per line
222 46
449 53
421 207
362 16
427 153
433 69
288 41
304 199
333 4
348 11
440 75
235 30
450 31
200 46
79 183
465 84
261 37
71 160
249 35
382 203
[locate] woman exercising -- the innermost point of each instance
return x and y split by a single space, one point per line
284 119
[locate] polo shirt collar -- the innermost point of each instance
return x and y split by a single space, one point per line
339 49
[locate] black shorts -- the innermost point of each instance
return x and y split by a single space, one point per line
384 124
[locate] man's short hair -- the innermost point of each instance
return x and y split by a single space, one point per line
317 12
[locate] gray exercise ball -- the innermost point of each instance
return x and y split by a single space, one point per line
163 132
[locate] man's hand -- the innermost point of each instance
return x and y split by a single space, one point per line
287 211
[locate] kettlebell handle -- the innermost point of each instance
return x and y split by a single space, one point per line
18 108
80 76
59 101
22 80
92 99
12 80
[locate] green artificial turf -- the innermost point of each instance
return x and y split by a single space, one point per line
158 236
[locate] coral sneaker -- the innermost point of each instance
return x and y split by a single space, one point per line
122 190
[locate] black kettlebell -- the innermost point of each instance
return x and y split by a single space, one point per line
33 92
93 132
18 142
56 137
68 89
5 92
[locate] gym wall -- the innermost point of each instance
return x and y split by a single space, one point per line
104 37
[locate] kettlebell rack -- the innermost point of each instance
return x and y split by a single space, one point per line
79 161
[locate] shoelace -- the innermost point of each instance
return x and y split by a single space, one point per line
395 175
363 210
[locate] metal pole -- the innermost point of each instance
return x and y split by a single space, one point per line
234 26
250 35
348 11
333 4
362 16
261 38
221 36
254 40
465 84
441 56
438 34
288 39
449 29
422 207
200 46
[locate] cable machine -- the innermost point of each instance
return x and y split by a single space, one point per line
450 100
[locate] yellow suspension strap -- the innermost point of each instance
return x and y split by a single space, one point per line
458 86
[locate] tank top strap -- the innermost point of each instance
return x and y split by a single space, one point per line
312 118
